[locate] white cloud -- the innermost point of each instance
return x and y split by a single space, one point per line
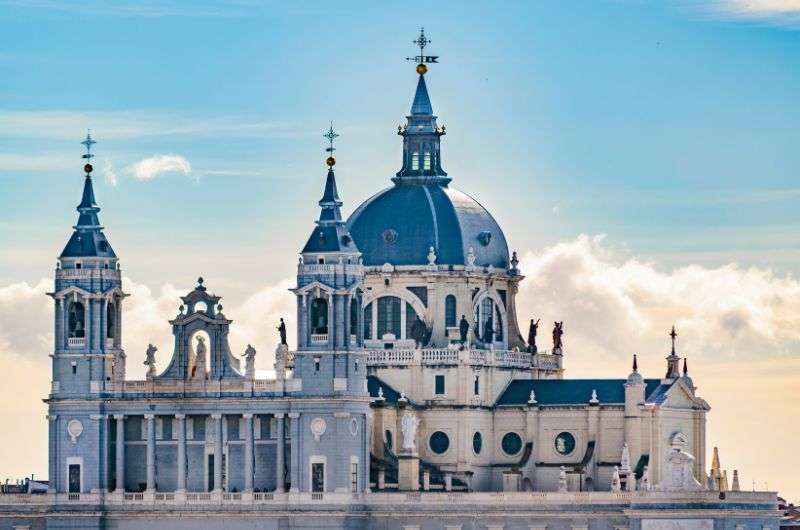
150 168
784 13
109 174
615 305
68 125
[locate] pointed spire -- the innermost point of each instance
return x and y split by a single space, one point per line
673 361
735 484
422 102
715 468
88 239
685 367
635 364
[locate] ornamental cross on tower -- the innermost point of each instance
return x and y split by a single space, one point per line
422 59
673 335
88 142
331 135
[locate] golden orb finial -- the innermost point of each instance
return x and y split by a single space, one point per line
422 69
330 161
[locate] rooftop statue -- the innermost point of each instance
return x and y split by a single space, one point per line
532 331
150 360
558 331
463 329
200 359
409 425
249 362
282 331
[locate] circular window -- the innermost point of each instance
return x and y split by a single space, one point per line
477 443
511 444
439 442
565 443
353 426
390 235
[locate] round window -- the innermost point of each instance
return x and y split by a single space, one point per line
390 235
477 443
439 442
565 443
511 444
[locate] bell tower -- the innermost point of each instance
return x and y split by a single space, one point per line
329 357
88 303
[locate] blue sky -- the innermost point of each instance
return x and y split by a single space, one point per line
668 126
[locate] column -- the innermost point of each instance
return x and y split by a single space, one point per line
120 488
52 421
181 452
217 451
295 454
59 324
280 483
151 452
248 452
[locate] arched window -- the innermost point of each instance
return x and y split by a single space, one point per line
368 322
426 161
76 320
485 311
389 316
319 316
354 316
450 311
110 320
415 161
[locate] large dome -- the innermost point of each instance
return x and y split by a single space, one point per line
400 224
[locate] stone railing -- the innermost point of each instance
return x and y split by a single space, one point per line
172 386
766 501
330 268
546 361
448 356
76 342
319 338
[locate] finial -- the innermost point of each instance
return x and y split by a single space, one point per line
635 364
673 334
88 142
532 398
421 59
331 135
594 400
685 367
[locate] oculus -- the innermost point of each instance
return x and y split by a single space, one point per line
511 443
477 443
74 429
439 442
390 236
318 427
564 443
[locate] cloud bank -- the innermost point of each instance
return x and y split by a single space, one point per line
783 13
151 167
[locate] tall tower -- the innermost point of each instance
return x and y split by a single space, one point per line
329 356
88 303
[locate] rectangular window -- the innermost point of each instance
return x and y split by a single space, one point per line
233 427
266 425
166 427
439 385
74 478
389 316
190 428
415 161
426 163
353 477
368 322
321 261
74 368
317 478
477 389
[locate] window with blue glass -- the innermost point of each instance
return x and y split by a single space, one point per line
450 311
389 316
439 442
511 443
439 385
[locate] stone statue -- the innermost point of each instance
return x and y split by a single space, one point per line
431 259
249 362
488 331
532 330
644 482
470 260
200 359
677 474
150 361
409 425
463 329
418 331
558 331
282 331
616 484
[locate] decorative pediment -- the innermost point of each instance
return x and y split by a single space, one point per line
314 287
680 396
72 290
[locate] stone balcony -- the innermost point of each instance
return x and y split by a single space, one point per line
217 387
451 357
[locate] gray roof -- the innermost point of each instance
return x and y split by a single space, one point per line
88 239
571 391
399 224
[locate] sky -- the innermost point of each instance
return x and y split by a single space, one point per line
642 158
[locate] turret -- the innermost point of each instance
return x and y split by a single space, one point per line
88 303
634 400
673 361
329 299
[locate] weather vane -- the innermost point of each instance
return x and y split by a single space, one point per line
331 135
88 142
422 59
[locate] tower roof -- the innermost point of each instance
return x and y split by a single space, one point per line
88 239
422 102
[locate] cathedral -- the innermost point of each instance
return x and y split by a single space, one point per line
412 400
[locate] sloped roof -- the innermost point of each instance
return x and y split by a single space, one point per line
569 391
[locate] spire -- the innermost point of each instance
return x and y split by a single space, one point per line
685 367
673 361
331 234
422 102
635 364
421 135
88 239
